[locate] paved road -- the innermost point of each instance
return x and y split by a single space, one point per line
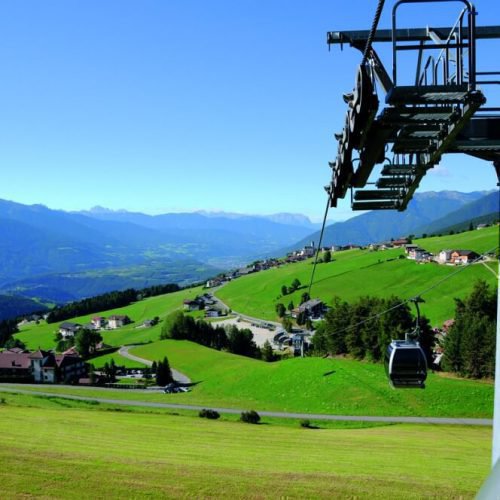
250 319
280 414
178 376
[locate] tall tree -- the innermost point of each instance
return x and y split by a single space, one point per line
469 347
267 352
163 372
7 328
241 342
86 341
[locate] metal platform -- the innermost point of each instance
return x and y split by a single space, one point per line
439 114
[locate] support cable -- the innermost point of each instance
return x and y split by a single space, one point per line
373 31
319 244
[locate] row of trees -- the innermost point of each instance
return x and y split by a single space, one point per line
469 346
7 328
105 301
285 290
183 327
110 300
346 329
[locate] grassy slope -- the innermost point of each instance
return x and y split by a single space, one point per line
353 273
132 454
361 272
315 385
99 361
312 385
42 335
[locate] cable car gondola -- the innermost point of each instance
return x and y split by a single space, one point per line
405 361
405 364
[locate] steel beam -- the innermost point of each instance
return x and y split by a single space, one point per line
357 37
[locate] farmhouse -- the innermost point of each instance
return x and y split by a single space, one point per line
212 312
40 366
463 256
419 254
193 304
309 250
68 329
15 366
402 242
444 256
312 308
244 271
98 322
117 321
409 248
213 283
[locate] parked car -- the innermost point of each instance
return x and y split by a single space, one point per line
173 388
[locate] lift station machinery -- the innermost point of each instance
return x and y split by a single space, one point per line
445 110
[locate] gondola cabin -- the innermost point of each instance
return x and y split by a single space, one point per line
405 364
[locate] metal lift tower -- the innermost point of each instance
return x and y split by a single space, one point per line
443 111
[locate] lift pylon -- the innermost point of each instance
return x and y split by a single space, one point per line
443 111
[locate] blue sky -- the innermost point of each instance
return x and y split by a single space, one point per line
182 105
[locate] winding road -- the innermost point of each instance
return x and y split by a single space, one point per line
178 376
279 414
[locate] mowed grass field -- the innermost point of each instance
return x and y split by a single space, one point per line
338 386
59 449
309 385
356 273
43 334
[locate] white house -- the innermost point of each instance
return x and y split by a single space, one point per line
309 250
444 256
98 322
68 329
117 321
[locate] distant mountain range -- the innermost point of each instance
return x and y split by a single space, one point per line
59 256
428 213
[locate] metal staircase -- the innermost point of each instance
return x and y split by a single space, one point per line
443 112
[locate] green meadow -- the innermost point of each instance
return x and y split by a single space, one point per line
103 453
382 273
59 448
42 335
100 361
314 385
351 274
309 385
